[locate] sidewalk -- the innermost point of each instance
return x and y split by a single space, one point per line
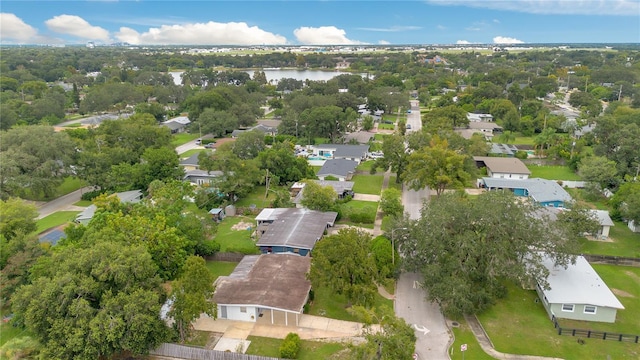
487 345
377 225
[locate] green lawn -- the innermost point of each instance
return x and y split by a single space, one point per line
553 172
367 184
393 184
365 166
256 197
69 185
198 338
518 324
7 330
379 137
309 350
182 138
386 126
55 219
221 268
624 243
236 240
464 335
524 140
369 207
332 305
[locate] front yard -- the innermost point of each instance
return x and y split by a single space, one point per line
55 219
367 184
309 350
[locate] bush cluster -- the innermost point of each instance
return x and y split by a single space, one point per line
290 346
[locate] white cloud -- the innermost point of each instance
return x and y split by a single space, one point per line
324 35
441 27
393 28
463 42
383 42
566 7
77 26
496 21
506 40
210 33
13 29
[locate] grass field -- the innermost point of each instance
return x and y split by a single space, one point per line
256 197
188 153
365 166
83 203
370 207
379 137
524 140
518 324
309 350
553 172
236 240
386 127
221 268
393 184
55 219
69 185
367 184
182 138
624 243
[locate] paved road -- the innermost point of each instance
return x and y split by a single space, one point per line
413 118
62 202
413 201
425 317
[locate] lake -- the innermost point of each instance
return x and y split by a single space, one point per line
274 75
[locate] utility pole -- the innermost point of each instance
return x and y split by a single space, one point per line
620 93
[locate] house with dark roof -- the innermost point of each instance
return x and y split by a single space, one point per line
291 230
361 137
356 153
190 163
542 191
577 292
340 169
503 168
504 150
269 286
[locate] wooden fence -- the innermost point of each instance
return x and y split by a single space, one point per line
591 334
195 353
612 260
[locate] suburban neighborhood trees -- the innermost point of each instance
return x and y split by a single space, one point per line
391 202
342 263
465 251
395 156
94 309
436 166
396 340
317 197
191 295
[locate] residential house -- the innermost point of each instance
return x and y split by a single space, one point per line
201 177
264 129
340 169
190 163
475 117
342 189
356 153
542 191
577 292
501 167
274 287
291 230
605 222
177 124
361 137
127 197
503 150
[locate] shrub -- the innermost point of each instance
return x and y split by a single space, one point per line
90 195
362 216
290 346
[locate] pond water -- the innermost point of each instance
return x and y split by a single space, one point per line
274 75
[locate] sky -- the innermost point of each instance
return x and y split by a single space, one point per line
313 22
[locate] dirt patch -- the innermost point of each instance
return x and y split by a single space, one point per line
632 275
621 293
242 226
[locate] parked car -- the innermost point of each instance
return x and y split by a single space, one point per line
209 145
408 126
198 141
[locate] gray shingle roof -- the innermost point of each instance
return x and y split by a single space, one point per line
602 216
337 167
296 228
350 151
578 284
339 187
541 190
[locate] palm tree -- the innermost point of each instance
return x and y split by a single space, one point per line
507 137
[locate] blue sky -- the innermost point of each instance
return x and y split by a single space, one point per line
295 22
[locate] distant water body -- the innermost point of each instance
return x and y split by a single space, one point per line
274 75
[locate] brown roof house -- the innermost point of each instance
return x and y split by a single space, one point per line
503 167
273 287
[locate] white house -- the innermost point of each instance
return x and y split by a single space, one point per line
272 286
577 292
503 167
